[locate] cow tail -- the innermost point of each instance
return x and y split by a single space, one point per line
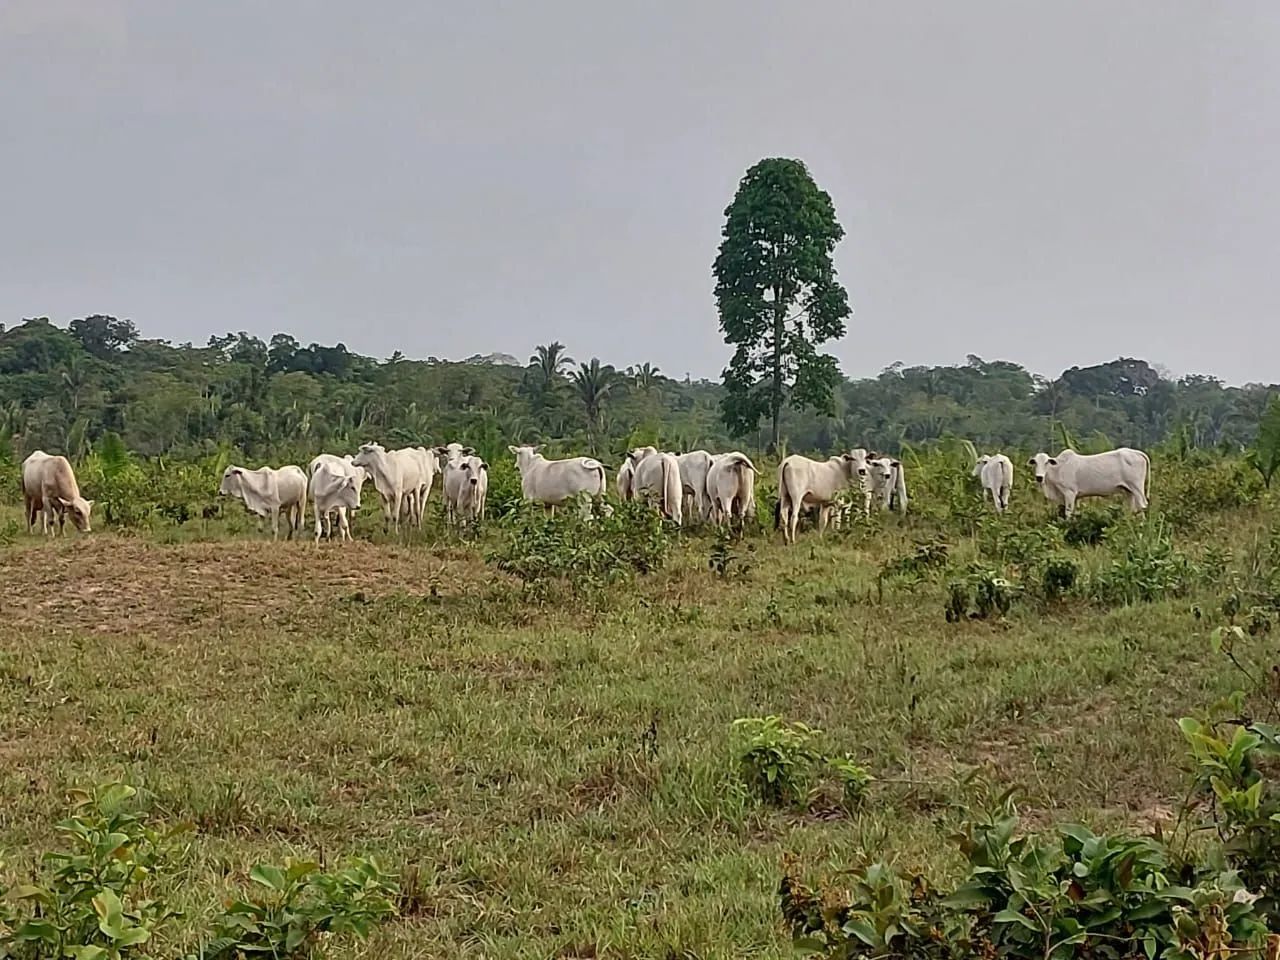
603 486
1146 480
666 485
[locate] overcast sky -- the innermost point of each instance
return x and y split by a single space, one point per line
1049 183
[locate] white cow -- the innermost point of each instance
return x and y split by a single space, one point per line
341 464
624 479
731 487
428 465
886 484
996 476
49 488
268 493
334 490
453 451
694 467
809 483
657 480
552 482
397 474
1070 475
466 485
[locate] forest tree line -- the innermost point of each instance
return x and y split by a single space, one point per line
63 389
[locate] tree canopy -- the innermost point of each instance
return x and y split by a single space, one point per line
778 296
282 400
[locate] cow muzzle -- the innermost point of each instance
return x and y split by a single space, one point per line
1039 479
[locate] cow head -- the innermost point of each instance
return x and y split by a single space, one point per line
1041 463
79 509
977 467
230 486
639 453
856 461
881 470
524 455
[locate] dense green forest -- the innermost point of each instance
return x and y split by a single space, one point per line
62 389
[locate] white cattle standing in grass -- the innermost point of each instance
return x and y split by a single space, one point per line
694 467
657 480
552 482
268 493
396 475
429 465
886 484
996 475
466 485
1070 475
809 483
731 487
343 464
334 490
49 488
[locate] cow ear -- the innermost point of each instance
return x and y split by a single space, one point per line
847 456
1053 461
513 449
1031 462
89 504
469 451
441 451
64 502
237 472
896 463
484 466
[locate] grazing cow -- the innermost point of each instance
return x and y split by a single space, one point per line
625 479
552 482
466 485
397 475
694 467
657 479
886 483
996 476
803 483
731 487
267 493
334 490
1070 475
49 487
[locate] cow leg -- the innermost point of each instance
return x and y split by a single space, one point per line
344 526
1068 504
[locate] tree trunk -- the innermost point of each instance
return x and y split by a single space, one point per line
779 328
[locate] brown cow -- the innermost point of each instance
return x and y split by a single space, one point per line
49 486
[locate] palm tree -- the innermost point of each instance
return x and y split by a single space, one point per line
548 361
645 377
593 383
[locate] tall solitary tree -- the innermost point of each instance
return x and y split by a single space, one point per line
778 296
593 383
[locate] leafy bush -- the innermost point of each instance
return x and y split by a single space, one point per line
584 553
776 758
854 779
97 900
928 556
301 903
1089 527
1147 568
1058 577
980 595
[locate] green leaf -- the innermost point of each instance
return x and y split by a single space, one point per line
110 913
268 876
967 896
1012 916
86 953
863 930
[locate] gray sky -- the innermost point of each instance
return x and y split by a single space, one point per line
1053 184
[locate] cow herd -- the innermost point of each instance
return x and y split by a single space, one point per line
688 487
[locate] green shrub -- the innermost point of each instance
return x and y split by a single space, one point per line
927 557
1089 527
776 758
1058 577
981 595
583 553
1145 567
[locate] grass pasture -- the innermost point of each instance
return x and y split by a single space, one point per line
557 779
